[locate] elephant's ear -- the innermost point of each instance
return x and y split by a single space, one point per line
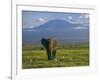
44 42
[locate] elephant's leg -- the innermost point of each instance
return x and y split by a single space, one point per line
49 54
54 54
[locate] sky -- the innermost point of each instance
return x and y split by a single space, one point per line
32 19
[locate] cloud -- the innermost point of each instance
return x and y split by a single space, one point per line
80 28
73 21
70 17
38 20
84 15
35 23
83 19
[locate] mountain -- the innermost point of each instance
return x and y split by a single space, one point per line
62 30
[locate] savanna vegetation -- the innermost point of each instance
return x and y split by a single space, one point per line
68 55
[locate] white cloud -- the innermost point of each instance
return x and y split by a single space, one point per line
82 19
41 20
38 20
35 23
85 18
72 22
80 28
84 15
70 17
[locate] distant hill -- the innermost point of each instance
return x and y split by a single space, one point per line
62 30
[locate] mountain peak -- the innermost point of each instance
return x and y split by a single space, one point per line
56 23
59 20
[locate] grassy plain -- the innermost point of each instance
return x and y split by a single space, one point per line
70 55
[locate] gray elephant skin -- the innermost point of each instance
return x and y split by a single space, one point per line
50 46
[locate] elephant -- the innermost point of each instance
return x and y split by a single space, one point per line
50 46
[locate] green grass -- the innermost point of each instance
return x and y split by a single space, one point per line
66 57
